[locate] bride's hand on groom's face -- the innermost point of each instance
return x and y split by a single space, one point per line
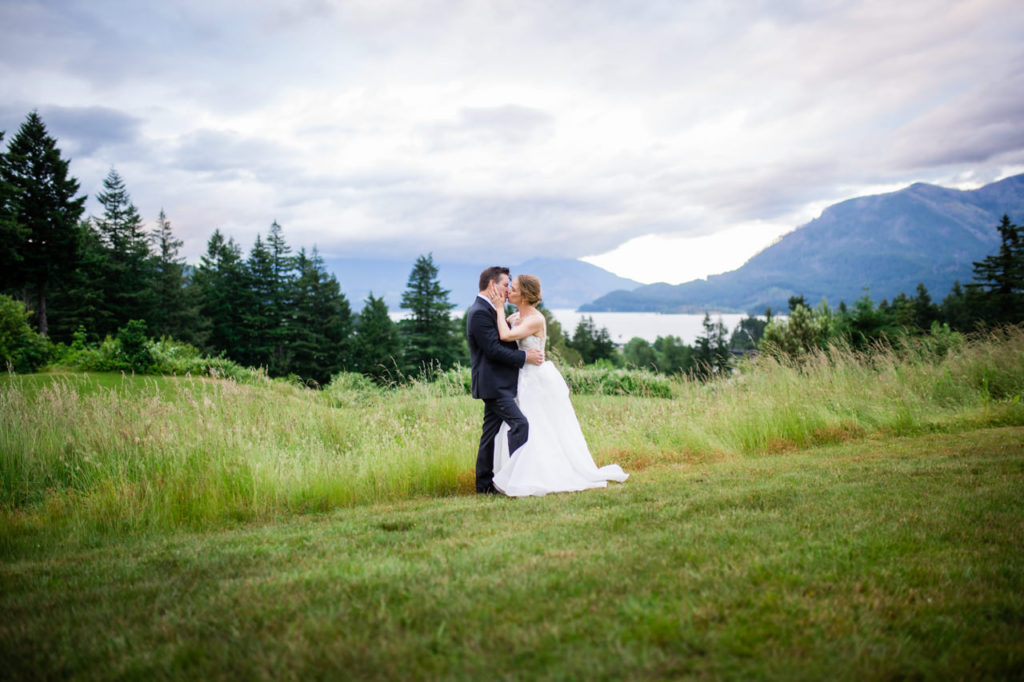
497 296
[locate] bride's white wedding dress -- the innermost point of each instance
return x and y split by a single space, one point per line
555 458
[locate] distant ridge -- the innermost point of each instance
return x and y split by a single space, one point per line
886 243
567 283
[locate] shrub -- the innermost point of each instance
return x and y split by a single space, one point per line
350 389
134 347
610 381
21 348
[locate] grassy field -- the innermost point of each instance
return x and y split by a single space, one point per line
847 516
900 558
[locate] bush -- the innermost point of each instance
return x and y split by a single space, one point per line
129 353
611 381
134 347
350 389
21 348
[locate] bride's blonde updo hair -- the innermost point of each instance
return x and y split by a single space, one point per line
529 288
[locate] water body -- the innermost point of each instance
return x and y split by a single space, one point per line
624 326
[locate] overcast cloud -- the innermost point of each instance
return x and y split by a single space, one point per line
662 140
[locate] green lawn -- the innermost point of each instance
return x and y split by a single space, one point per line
881 558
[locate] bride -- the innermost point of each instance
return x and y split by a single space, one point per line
555 458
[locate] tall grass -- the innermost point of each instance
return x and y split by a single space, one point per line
134 453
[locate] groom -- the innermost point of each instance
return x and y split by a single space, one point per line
495 368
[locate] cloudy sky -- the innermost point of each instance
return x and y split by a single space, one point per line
662 139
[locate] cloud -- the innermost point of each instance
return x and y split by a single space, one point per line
84 131
564 129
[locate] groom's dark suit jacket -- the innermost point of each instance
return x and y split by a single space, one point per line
494 363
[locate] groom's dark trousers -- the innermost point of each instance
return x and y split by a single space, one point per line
494 369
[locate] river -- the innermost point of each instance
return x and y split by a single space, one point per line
624 326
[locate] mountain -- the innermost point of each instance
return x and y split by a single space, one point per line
886 243
567 283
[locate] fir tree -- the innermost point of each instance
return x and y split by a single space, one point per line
78 301
431 338
591 343
377 350
129 277
1000 277
12 235
39 198
925 311
220 283
261 316
172 315
711 351
282 267
957 309
322 323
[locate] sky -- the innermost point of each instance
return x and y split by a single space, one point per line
664 140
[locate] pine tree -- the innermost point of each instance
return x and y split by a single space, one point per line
711 351
280 304
172 315
220 283
925 311
261 316
322 326
958 310
78 302
431 339
39 198
1000 277
12 235
377 347
129 279
591 343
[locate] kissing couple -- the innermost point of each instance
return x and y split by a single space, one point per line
531 443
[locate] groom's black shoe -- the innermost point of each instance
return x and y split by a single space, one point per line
489 490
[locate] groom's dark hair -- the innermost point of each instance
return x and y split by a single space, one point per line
491 274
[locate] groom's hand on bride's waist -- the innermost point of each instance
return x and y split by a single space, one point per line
535 356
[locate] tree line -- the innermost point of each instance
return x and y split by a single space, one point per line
84 279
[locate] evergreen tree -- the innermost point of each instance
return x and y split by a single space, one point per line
591 343
39 199
925 311
431 339
867 324
957 309
322 323
1000 277
172 315
748 333
711 352
12 235
262 318
78 301
377 350
901 312
281 303
220 283
129 278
